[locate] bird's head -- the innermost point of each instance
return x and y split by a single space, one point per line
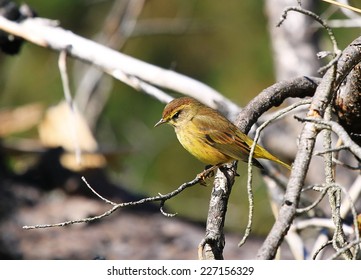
179 111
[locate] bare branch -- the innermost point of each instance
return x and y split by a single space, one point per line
69 99
349 58
314 17
276 116
320 222
344 6
97 194
274 96
315 203
211 247
160 197
321 100
340 131
345 249
38 31
92 89
354 194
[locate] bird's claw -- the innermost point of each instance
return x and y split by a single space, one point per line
205 174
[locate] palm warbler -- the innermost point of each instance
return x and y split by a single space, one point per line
209 136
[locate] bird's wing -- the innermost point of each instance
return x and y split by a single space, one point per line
225 137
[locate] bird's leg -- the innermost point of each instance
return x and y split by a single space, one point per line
206 173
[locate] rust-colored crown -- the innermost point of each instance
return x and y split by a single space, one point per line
178 103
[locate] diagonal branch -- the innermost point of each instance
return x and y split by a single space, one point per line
42 32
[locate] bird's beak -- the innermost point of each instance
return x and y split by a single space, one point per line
161 121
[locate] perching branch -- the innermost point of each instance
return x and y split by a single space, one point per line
212 245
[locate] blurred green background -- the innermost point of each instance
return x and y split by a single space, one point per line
227 48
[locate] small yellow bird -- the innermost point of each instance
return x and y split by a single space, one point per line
209 136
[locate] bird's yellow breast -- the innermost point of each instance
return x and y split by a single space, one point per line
196 144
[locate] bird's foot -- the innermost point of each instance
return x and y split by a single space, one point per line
208 172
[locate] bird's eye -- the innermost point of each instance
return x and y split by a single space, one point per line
176 115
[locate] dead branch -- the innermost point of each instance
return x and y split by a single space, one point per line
322 98
45 33
161 197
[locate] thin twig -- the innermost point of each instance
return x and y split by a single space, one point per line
334 194
329 242
64 76
160 197
354 192
338 241
276 116
339 130
316 18
321 223
314 204
141 85
354 215
345 248
322 238
342 5
97 194
336 50
161 208
68 97
332 150
336 161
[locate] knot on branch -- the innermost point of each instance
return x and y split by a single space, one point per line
9 43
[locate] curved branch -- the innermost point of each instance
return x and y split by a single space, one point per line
274 96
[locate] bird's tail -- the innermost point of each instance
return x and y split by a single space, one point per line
261 152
